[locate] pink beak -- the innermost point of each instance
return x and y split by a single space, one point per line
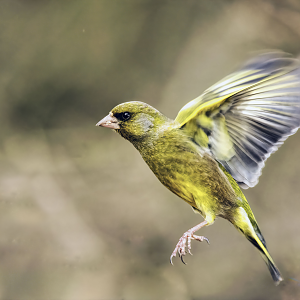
109 122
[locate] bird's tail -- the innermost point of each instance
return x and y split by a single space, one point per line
254 235
260 244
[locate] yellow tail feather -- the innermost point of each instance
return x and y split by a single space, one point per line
253 234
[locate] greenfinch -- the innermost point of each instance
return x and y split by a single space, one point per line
218 143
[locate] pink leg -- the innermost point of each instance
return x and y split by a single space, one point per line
188 236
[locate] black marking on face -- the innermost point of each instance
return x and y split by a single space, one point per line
124 116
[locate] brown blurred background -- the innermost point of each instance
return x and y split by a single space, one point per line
82 216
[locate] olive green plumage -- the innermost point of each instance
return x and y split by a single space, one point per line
219 141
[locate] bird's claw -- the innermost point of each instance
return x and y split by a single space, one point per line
200 238
181 257
181 245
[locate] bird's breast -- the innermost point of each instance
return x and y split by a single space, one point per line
194 177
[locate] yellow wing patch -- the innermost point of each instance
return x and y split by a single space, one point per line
201 104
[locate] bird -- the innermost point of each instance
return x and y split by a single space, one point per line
219 142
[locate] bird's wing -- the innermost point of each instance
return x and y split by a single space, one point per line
245 117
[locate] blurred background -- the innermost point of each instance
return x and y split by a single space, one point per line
82 216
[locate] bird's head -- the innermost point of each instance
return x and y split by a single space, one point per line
133 120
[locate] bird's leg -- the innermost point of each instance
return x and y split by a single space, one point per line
187 237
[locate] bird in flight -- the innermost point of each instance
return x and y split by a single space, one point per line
218 143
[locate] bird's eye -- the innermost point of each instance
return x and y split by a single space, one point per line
125 116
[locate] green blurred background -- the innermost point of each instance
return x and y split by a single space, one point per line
82 216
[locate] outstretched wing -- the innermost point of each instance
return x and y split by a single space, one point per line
246 116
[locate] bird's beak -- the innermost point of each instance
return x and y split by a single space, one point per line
110 122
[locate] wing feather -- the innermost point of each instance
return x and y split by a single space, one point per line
252 113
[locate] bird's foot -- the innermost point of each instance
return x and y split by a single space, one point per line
181 245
